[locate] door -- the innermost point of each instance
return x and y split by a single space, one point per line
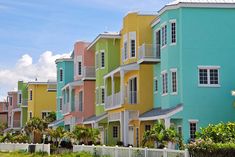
131 135
133 90
102 135
158 42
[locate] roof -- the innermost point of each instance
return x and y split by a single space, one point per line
43 83
109 35
56 122
95 118
68 59
201 1
158 113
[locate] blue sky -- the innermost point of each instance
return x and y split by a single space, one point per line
32 27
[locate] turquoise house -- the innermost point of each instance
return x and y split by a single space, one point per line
193 79
65 71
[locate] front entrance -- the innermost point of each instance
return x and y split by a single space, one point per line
131 135
101 135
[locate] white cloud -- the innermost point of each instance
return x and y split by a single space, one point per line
25 69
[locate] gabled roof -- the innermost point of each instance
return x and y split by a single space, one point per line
105 35
159 113
201 1
94 118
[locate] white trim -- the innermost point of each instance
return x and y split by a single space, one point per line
208 68
163 24
162 116
157 21
193 120
172 20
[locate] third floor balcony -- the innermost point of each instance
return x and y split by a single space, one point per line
88 72
149 53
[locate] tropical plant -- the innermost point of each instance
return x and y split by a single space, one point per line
20 138
56 134
161 135
85 135
51 117
219 133
35 126
3 126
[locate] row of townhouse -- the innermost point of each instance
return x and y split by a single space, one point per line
174 67
31 99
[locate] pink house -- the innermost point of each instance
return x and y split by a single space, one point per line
3 112
14 112
82 89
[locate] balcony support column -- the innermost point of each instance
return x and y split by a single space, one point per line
70 99
122 88
112 77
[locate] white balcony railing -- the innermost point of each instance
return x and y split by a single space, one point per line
124 55
113 101
51 87
25 102
89 71
149 52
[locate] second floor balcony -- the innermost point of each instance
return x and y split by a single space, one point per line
149 53
65 108
88 72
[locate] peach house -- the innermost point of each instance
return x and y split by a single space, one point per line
3 112
79 102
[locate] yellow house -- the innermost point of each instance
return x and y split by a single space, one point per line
41 99
129 88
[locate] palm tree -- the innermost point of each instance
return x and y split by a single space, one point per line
160 135
35 126
57 134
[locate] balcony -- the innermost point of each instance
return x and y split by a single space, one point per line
4 108
124 55
149 53
132 97
51 87
25 103
112 102
89 72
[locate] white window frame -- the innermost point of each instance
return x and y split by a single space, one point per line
125 49
132 36
61 79
113 131
101 59
79 68
194 121
164 75
19 97
61 103
208 68
176 81
155 79
10 100
164 35
171 22
129 90
30 94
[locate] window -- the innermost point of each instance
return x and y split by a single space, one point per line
180 130
102 95
173 32
67 93
164 83
125 50
115 132
20 98
30 115
30 94
10 101
158 44
155 85
81 101
102 60
174 81
147 127
61 103
193 129
79 68
208 76
44 114
133 90
132 48
61 75
164 35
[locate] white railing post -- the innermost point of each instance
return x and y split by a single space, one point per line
116 151
103 150
130 147
164 152
49 149
186 154
146 151
82 147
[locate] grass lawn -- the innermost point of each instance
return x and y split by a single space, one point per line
17 154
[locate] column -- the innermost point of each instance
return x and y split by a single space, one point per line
122 88
70 98
12 118
126 128
112 79
167 122
121 126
